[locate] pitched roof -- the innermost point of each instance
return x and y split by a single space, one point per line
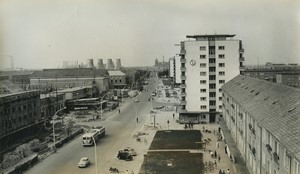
276 107
74 72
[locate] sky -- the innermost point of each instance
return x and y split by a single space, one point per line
43 34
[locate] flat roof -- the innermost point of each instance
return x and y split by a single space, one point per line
210 35
116 73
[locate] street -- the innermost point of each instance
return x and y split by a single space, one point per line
120 127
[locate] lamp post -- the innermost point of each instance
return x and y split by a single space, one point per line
54 123
102 103
96 160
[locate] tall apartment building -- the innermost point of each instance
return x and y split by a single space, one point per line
263 119
207 62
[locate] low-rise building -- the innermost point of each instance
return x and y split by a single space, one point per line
117 79
263 118
289 79
68 78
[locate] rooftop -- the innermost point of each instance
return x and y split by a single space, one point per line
116 73
73 72
275 107
210 35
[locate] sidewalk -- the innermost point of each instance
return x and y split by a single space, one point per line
240 166
162 118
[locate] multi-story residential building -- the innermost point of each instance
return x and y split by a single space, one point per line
263 119
172 68
289 79
269 71
207 63
68 78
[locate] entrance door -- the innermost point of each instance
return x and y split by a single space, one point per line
212 118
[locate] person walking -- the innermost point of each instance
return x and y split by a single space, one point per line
228 172
219 157
220 171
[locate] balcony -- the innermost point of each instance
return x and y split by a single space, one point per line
183 77
182 52
183 94
182 60
242 68
212 81
211 56
242 59
212 90
276 157
269 148
212 64
212 98
241 50
212 107
183 86
183 102
212 73
182 68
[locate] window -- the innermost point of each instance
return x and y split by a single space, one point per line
212 60
212 77
202 65
212 94
221 64
221 81
211 52
203 106
116 81
220 98
221 56
202 73
202 56
221 47
220 106
203 116
202 48
221 73
212 86
212 103
202 90
203 98
202 81
220 90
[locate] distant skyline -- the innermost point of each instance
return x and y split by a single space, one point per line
43 34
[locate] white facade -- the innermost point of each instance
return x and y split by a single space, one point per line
172 66
207 63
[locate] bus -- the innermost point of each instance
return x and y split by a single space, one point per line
87 139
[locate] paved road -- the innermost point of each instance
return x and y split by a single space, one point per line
119 128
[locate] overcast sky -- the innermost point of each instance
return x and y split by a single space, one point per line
44 33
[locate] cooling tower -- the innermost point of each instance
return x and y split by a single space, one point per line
110 64
90 63
118 63
100 64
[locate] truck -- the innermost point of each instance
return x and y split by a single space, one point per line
88 139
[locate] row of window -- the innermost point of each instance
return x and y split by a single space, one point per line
221 73
203 48
220 56
203 65
205 107
204 90
204 98
204 81
116 81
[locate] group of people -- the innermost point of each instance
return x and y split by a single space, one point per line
223 172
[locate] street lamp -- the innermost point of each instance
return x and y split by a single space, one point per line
96 160
54 123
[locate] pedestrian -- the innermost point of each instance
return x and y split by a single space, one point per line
215 154
219 130
137 119
215 163
219 157
228 172
220 171
173 116
217 144
211 154
119 111
223 172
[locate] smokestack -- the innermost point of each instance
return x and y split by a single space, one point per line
118 63
110 64
100 64
90 63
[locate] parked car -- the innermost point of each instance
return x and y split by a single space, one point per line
130 150
84 162
124 155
